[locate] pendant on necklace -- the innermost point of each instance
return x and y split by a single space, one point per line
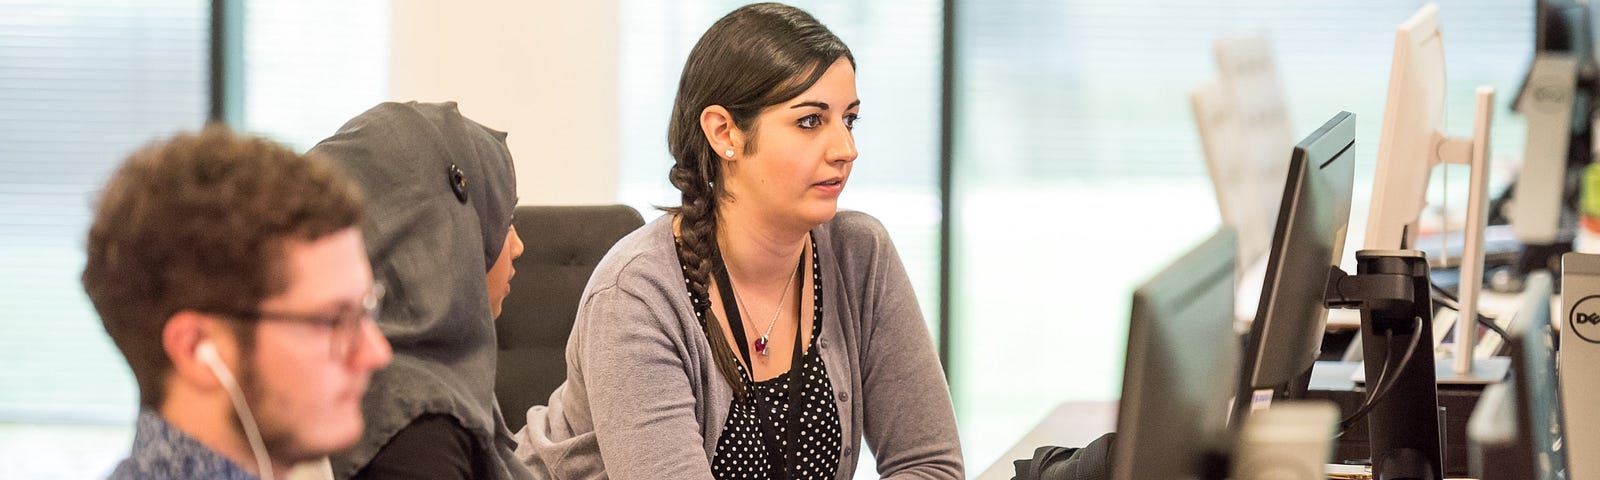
761 345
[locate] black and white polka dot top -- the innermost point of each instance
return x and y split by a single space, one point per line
742 451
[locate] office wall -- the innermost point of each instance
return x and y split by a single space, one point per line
545 71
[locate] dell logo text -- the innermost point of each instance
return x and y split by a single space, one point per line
1584 319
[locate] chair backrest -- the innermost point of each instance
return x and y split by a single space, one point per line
562 245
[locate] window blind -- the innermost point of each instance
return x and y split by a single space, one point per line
82 84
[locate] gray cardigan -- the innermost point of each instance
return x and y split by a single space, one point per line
643 398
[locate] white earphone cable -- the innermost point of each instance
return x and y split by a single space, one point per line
208 355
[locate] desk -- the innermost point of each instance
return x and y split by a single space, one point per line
1071 424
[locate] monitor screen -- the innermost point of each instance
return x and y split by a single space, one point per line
1174 407
1307 245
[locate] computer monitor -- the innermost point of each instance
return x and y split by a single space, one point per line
1555 98
1307 244
1174 408
1412 117
1412 142
1244 129
1515 431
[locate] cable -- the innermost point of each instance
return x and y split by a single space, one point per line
208 356
1483 320
1442 292
1377 384
1366 403
1379 392
1449 301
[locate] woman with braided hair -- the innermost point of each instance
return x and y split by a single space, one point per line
755 332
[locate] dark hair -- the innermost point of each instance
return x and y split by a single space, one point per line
198 222
755 57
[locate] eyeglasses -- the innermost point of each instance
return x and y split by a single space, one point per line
344 325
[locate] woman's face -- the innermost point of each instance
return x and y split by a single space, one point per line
800 157
499 278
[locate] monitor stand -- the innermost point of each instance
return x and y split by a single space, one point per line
1391 289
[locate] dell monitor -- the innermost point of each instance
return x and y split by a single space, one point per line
1516 430
1171 421
1556 99
1412 142
1307 244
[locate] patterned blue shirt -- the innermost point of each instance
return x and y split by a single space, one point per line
162 451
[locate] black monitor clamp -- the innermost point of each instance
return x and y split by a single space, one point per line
1391 289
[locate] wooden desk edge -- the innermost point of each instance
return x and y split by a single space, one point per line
1070 424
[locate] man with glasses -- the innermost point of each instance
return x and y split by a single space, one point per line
232 275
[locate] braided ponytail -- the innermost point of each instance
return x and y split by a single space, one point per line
697 247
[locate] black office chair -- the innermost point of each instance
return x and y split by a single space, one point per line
562 244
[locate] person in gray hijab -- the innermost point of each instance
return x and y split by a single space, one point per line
440 191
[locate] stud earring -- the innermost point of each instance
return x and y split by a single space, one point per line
728 153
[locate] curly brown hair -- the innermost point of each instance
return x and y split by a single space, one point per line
198 222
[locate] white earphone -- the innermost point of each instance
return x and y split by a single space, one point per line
207 354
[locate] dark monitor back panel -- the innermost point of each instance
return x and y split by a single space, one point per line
1533 373
1565 26
1174 403
1517 426
1308 242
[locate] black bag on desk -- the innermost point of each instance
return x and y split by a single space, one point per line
1092 462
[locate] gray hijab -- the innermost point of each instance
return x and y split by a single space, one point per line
439 191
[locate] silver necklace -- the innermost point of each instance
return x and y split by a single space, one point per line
761 343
